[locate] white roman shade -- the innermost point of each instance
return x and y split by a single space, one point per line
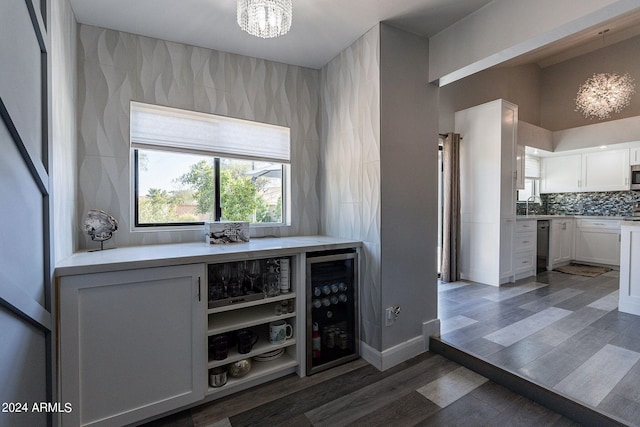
531 166
154 126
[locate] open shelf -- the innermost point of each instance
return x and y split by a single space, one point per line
281 297
258 369
240 319
259 348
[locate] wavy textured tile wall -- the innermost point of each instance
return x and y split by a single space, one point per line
115 68
350 194
64 146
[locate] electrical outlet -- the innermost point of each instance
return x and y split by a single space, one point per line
391 315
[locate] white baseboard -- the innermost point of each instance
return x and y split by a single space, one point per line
401 352
430 329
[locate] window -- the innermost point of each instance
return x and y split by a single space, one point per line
191 167
531 179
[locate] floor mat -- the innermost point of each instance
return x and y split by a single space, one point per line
582 269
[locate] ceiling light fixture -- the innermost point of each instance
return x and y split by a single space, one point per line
265 18
604 93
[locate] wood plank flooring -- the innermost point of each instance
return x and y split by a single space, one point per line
559 330
427 390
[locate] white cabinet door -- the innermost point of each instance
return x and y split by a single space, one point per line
131 344
567 241
606 170
561 174
598 241
629 301
561 241
507 227
634 158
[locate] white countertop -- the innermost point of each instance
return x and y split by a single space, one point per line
134 257
525 217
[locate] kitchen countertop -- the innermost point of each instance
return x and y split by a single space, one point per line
135 257
524 217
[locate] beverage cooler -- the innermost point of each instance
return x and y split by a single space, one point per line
332 309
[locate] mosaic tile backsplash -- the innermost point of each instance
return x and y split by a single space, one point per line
615 203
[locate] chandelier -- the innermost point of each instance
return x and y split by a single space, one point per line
265 18
604 93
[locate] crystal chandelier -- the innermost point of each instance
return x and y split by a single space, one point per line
604 93
265 18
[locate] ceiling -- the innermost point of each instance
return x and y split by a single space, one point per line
321 28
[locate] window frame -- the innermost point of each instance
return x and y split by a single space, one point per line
134 147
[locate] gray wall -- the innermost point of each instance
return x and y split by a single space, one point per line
379 181
520 85
409 158
116 67
350 162
560 83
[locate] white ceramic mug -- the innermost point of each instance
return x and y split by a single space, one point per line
278 332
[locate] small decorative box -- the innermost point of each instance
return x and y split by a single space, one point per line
226 232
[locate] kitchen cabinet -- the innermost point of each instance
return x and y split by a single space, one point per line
520 159
228 316
487 191
134 324
598 241
605 170
634 157
561 241
629 299
524 249
561 174
131 343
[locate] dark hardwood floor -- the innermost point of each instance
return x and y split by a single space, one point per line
428 390
561 331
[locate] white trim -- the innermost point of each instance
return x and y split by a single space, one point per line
399 353
430 329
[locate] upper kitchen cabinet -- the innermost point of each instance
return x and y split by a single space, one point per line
487 190
634 158
602 170
561 174
606 170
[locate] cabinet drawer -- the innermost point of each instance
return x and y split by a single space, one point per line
523 226
525 241
524 261
606 225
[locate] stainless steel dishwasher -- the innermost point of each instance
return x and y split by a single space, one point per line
542 257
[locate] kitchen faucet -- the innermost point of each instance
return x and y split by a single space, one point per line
532 199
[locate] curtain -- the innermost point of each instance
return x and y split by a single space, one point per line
450 270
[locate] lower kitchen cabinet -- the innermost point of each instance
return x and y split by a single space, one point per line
598 241
629 299
561 241
524 255
137 341
253 314
131 343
